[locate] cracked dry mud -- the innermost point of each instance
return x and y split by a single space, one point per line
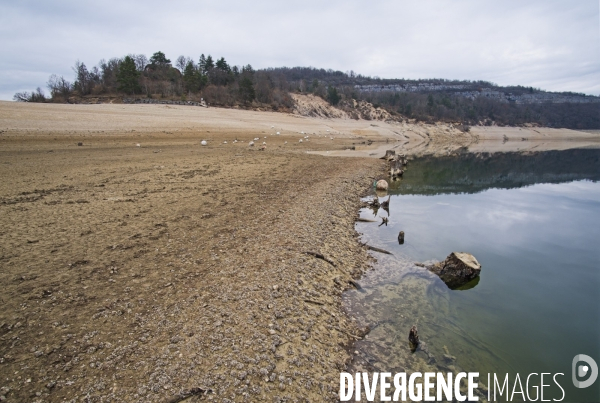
154 273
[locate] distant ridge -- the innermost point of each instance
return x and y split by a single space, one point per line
214 82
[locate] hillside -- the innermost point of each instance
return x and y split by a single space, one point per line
316 92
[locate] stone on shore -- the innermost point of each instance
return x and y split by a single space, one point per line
381 184
458 269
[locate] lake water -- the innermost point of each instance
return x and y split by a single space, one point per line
533 223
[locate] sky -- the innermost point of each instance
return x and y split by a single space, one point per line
553 45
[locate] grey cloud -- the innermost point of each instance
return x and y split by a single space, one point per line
553 45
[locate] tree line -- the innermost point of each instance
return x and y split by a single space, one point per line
216 81
338 87
221 84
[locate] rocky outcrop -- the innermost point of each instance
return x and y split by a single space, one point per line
458 269
366 110
314 106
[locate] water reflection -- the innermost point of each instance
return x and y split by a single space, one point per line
533 229
472 173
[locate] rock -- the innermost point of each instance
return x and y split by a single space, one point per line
389 155
413 338
203 142
381 184
458 269
449 358
401 237
396 165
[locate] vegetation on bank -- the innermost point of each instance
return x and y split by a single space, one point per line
221 84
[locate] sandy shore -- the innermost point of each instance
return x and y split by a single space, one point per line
141 273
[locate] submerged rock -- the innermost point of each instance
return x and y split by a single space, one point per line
458 269
413 338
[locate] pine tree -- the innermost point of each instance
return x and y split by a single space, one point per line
332 96
222 65
209 64
247 89
202 64
127 77
193 77
159 59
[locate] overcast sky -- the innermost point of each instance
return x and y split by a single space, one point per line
550 44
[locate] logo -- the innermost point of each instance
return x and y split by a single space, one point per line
580 370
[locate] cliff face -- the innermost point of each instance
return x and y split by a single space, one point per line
473 91
314 106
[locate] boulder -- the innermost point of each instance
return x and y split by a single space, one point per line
458 269
381 184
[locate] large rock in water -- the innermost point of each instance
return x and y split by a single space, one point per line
458 269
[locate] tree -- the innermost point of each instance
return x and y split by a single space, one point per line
182 62
84 80
193 78
247 89
159 59
209 64
222 65
109 72
58 86
140 61
332 95
430 101
127 77
21 96
34 96
315 85
202 64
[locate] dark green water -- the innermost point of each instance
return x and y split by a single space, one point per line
533 222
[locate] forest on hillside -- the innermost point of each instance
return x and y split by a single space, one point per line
220 84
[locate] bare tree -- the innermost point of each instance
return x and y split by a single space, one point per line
34 96
21 96
182 62
141 61
83 83
58 86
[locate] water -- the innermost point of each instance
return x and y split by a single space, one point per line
533 222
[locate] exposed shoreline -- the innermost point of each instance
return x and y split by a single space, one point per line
139 273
